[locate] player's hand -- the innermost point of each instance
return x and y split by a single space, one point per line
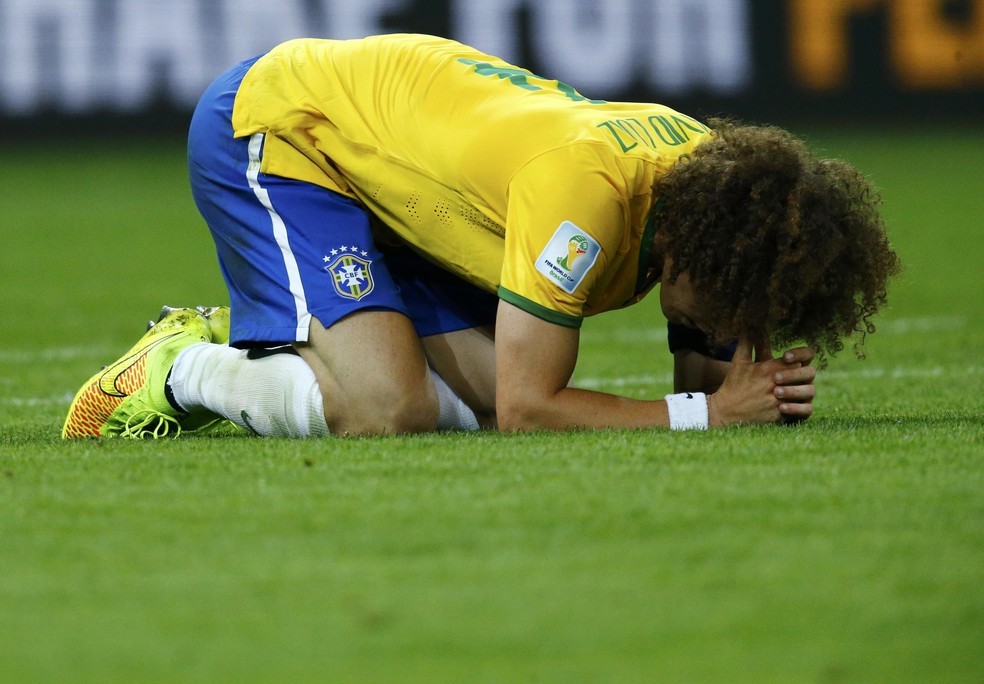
794 389
764 389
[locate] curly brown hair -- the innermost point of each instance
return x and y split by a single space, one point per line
780 245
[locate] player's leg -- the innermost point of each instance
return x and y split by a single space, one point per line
275 392
371 369
278 392
302 269
464 365
295 256
455 322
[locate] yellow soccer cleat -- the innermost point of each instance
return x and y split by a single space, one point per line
218 321
217 317
127 398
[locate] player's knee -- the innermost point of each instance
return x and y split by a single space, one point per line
405 412
389 410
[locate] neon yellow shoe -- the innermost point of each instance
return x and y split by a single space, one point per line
218 321
217 317
127 399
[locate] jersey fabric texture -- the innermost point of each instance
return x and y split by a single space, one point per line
514 182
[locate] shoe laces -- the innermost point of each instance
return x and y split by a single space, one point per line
150 425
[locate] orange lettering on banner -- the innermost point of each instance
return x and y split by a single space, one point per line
931 51
818 39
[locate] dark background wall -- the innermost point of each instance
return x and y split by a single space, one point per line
91 67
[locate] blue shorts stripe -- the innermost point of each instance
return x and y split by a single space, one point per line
280 235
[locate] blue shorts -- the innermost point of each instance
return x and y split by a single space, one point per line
290 250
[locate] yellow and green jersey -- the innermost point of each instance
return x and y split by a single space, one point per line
514 182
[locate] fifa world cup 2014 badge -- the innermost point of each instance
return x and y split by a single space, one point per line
351 272
568 256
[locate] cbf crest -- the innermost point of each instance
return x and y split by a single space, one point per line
351 272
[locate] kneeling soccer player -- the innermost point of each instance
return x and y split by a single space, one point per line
381 206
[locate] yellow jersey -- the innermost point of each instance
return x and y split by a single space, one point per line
514 182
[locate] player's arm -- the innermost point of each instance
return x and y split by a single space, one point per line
697 365
567 195
535 360
695 372
534 363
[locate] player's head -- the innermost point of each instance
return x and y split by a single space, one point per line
779 244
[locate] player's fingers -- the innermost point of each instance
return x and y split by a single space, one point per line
797 375
791 410
802 355
796 393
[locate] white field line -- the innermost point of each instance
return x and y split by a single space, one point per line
904 326
653 380
54 354
52 400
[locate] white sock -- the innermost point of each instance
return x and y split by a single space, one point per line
454 413
274 396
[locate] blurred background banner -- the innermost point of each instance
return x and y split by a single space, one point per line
87 65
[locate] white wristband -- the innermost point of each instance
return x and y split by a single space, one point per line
688 411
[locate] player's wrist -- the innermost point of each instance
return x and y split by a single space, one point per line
715 419
687 411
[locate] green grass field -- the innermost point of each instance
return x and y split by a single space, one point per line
847 549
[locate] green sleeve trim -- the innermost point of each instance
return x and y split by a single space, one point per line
539 310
